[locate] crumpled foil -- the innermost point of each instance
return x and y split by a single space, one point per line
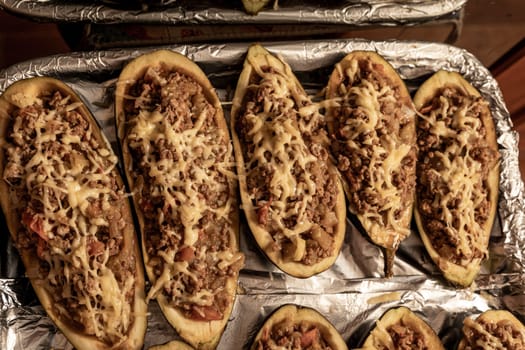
353 293
355 12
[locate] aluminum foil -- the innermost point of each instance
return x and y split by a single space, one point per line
353 293
355 12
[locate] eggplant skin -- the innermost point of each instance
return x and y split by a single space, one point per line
21 94
398 319
513 328
459 274
291 314
202 335
258 57
172 345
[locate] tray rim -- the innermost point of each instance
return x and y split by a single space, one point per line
359 13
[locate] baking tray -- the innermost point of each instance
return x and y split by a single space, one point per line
352 294
354 12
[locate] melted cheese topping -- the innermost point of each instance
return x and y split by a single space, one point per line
382 338
489 335
64 175
276 136
364 137
456 178
292 335
396 336
196 186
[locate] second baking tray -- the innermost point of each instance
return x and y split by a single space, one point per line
355 12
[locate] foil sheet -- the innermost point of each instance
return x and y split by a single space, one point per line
355 12
353 293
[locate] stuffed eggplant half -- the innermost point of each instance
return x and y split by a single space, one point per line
69 216
179 163
371 120
458 175
290 190
400 328
253 7
493 329
296 327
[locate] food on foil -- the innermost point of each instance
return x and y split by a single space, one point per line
290 190
297 327
251 7
493 329
172 345
179 162
371 120
457 175
144 5
400 328
254 6
69 216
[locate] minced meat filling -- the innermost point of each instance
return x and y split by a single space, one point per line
508 336
184 109
406 338
452 138
364 139
278 203
292 336
70 209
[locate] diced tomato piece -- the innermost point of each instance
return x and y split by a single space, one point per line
263 212
186 254
310 337
426 109
205 313
95 248
34 223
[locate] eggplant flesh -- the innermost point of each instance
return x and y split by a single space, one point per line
254 6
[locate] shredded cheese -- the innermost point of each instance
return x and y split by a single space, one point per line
498 336
279 138
458 184
361 121
198 169
64 174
